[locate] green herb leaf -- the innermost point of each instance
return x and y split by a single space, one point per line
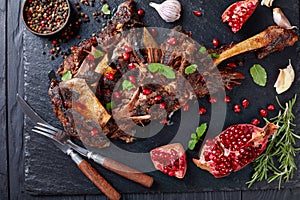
197 136
192 144
98 54
258 74
66 76
154 67
167 72
190 69
105 9
202 50
194 136
214 55
164 70
201 130
127 85
110 105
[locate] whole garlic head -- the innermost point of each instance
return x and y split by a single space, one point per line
169 10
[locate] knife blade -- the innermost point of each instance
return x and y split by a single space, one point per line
82 164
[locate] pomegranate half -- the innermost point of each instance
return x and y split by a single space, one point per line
170 159
234 148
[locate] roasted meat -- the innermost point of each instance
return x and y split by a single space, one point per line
112 90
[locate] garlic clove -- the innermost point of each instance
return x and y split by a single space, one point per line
267 3
169 10
281 20
285 79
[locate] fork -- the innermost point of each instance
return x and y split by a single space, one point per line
112 165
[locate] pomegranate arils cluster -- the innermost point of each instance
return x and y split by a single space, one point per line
234 148
170 159
238 13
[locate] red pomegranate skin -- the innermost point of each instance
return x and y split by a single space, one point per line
234 148
170 159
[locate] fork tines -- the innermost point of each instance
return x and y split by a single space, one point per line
45 129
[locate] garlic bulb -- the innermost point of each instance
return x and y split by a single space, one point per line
281 20
285 79
169 10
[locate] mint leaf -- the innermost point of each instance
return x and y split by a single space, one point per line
66 76
154 67
127 85
190 69
164 70
194 136
259 74
202 50
201 130
98 54
192 144
214 55
110 105
105 9
167 72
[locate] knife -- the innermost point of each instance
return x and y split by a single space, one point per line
82 164
112 165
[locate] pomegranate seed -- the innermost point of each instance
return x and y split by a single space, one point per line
140 12
162 105
131 65
146 91
186 108
215 42
263 112
164 121
237 108
90 57
131 79
212 100
94 132
271 107
202 111
197 13
117 95
153 32
172 41
109 76
231 64
127 49
255 121
52 51
126 56
157 98
227 99
245 103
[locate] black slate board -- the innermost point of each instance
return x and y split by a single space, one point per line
48 171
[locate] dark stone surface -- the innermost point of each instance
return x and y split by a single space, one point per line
38 149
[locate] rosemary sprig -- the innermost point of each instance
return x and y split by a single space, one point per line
277 162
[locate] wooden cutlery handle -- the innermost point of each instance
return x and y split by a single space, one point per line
95 177
127 172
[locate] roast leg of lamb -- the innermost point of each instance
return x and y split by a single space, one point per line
91 107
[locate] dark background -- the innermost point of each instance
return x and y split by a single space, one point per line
22 50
